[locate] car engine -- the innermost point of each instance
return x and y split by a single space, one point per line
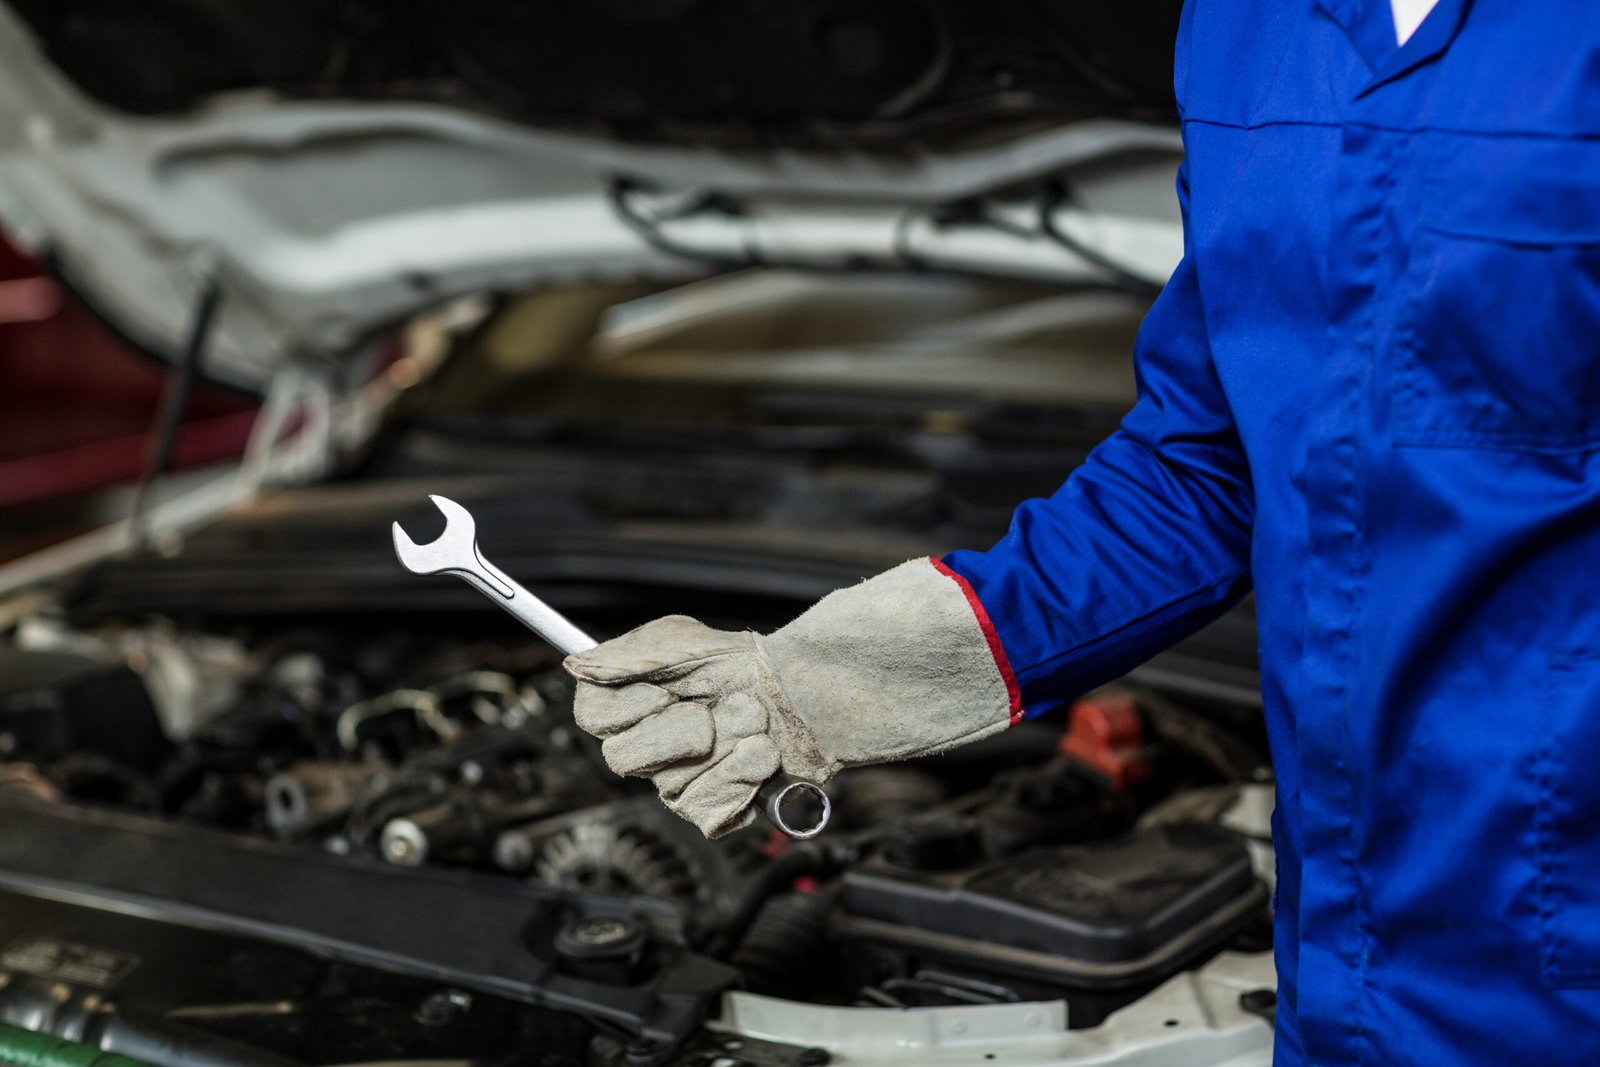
323 846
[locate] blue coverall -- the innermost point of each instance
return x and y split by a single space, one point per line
1372 391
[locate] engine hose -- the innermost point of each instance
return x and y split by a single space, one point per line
781 954
103 1036
775 877
142 1039
24 1048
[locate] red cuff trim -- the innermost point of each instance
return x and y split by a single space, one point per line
996 649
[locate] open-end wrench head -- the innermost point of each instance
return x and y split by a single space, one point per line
454 550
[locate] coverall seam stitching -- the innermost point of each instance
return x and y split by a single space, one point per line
1361 1039
1361 565
1409 131
1248 127
1552 840
1544 815
1492 442
1406 340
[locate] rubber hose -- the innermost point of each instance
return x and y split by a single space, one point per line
24 1048
782 952
772 879
167 1044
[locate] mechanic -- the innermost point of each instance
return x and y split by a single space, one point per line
1370 391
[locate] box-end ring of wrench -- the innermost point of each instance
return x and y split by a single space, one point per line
456 552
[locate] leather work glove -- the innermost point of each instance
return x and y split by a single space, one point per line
896 667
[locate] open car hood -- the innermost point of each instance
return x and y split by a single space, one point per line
322 220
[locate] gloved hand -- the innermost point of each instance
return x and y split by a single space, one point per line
895 667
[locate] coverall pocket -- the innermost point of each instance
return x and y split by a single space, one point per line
1498 342
1567 823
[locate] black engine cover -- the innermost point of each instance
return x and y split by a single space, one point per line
1093 915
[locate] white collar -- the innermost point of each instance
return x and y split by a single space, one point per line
1408 15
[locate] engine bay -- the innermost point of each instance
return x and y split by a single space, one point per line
385 846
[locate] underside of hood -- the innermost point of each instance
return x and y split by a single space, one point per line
797 72
329 170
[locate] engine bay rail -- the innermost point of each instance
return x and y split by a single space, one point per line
491 935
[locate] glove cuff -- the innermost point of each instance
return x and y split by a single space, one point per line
904 664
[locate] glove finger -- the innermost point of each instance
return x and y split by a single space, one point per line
672 780
719 799
736 717
681 732
603 710
665 648
745 818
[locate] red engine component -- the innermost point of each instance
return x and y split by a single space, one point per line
1105 734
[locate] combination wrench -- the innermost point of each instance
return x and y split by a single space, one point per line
456 552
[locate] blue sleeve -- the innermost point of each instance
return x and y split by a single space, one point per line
1146 542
